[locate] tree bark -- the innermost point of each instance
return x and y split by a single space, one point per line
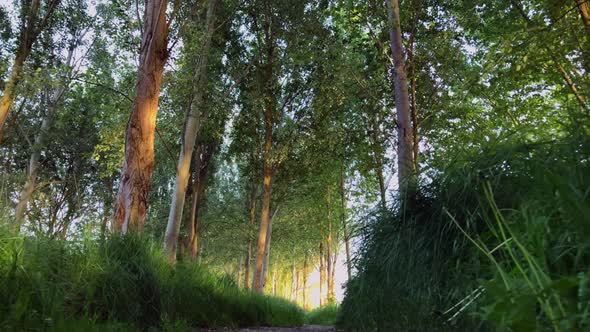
329 266
267 169
252 212
202 164
191 130
378 157
32 25
322 274
274 282
132 199
344 221
402 104
414 105
584 9
304 289
267 252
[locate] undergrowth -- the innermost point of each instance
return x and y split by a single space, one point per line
325 315
123 283
498 240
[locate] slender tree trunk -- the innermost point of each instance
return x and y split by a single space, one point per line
239 270
322 274
414 106
329 245
378 157
202 163
332 294
297 286
28 34
267 252
252 211
293 296
274 282
329 266
266 168
194 214
38 145
134 187
402 104
191 130
8 94
584 9
344 221
304 289
106 208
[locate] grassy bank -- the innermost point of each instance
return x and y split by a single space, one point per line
122 283
511 218
322 316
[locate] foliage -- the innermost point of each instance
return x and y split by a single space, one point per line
524 204
123 280
325 315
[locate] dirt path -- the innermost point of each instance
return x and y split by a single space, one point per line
306 328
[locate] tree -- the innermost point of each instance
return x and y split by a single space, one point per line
405 134
78 26
33 21
134 187
189 136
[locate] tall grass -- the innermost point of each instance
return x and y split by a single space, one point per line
325 315
503 230
123 283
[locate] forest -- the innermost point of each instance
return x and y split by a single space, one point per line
295 165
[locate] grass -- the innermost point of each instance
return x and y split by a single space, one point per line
503 227
325 315
121 284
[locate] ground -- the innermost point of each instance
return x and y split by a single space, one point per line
306 328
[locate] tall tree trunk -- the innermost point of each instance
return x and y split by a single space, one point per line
402 103
194 214
31 26
134 187
252 212
274 282
189 136
239 270
378 157
267 168
329 265
106 207
304 289
202 163
322 274
296 277
332 294
39 144
414 105
267 252
584 9
344 221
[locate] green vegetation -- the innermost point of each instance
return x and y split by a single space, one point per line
171 164
325 315
509 216
124 280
